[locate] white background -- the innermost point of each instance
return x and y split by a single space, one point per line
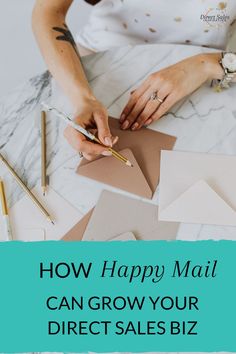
19 56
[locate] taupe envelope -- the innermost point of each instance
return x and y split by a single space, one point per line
143 148
77 232
117 214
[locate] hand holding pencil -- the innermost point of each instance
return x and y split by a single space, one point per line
87 135
91 115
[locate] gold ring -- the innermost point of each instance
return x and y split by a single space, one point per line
155 97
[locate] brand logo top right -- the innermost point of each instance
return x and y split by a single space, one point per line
216 17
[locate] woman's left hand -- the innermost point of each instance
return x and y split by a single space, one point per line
167 87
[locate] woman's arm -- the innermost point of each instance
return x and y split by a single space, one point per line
58 47
61 55
171 85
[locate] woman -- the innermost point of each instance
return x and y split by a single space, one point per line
121 22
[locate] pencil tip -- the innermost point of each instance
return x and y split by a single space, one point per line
50 220
128 163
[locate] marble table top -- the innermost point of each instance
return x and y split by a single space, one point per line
202 122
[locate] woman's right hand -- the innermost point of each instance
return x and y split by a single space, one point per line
91 115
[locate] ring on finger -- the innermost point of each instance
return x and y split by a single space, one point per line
154 97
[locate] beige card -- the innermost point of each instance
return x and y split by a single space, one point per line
198 188
128 236
77 232
143 149
26 217
116 214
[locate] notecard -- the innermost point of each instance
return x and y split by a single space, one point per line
34 234
198 188
25 215
127 236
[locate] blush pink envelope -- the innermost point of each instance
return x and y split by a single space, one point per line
143 149
77 231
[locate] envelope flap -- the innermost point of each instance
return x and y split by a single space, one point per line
111 171
199 204
146 145
77 231
127 236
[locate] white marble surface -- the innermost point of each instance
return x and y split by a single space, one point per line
203 122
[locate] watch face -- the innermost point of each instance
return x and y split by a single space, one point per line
229 62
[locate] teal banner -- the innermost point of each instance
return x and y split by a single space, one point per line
118 296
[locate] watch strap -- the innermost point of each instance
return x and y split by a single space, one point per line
228 76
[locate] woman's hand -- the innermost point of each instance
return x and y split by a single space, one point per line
91 115
170 85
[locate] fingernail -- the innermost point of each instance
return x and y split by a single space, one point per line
122 118
135 126
149 121
106 153
108 141
115 140
125 124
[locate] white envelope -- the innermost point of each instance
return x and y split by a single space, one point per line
198 188
29 224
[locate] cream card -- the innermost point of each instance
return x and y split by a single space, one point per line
34 234
198 188
128 236
24 215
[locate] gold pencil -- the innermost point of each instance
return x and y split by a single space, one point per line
43 153
7 226
115 154
26 190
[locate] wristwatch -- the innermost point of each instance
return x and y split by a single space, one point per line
228 63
